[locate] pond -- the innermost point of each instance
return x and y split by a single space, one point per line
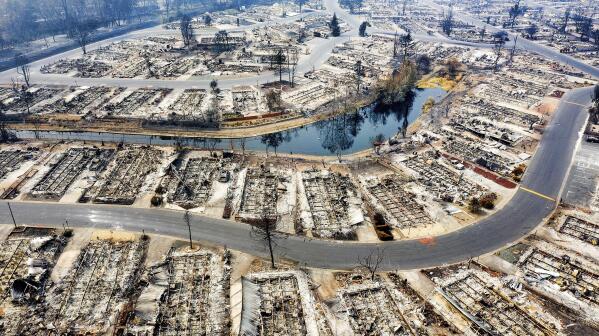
341 135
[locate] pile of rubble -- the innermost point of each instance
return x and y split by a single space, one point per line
11 160
565 271
27 259
125 176
190 184
472 151
580 229
441 181
399 206
333 205
278 303
187 294
136 103
489 307
261 193
82 100
372 310
65 168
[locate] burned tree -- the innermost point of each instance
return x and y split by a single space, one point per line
513 50
363 26
407 45
566 20
516 11
377 142
81 30
148 64
264 230
187 34
423 63
221 40
277 60
292 59
214 85
23 69
359 73
301 4
447 23
5 134
213 113
274 101
372 262
531 31
187 220
23 93
498 46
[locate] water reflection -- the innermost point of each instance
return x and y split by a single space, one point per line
352 131
341 135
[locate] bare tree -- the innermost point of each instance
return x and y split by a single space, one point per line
212 143
23 93
168 5
406 42
221 40
187 33
264 230
498 45
149 65
242 143
515 11
447 22
359 73
278 59
187 219
301 4
292 60
513 49
531 31
23 69
372 262
274 100
81 31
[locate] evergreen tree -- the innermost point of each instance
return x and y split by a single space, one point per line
363 27
335 29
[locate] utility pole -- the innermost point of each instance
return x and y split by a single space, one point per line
11 214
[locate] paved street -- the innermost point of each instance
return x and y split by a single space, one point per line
519 217
543 181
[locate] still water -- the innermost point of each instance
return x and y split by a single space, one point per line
341 135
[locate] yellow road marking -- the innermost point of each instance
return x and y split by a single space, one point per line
538 194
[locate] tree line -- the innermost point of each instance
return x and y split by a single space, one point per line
23 21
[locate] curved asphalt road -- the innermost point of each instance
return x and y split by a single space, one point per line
519 217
